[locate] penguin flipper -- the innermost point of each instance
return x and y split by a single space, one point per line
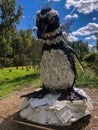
76 58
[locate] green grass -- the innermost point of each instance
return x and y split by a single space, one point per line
17 78
12 81
87 79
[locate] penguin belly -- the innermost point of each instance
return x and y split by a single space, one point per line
55 70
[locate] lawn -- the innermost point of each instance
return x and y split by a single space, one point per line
12 79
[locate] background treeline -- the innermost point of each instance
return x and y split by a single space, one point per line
18 47
22 50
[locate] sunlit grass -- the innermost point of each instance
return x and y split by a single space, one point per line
12 79
12 73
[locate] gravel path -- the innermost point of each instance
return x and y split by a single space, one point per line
10 105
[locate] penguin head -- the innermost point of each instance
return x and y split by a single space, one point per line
47 20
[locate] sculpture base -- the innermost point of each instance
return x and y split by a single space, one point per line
50 111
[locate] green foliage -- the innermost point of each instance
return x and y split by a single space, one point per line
80 48
92 60
10 15
36 52
96 35
91 57
87 79
27 50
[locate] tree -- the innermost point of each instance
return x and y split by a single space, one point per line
96 35
25 48
80 48
9 16
67 25
66 28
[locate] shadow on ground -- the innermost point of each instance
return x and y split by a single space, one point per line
9 124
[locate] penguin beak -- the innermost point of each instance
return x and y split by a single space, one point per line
44 31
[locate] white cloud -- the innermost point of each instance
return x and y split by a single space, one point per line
72 16
65 35
23 16
90 28
72 38
90 38
94 18
83 6
90 45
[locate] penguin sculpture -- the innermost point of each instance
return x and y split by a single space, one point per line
58 102
57 67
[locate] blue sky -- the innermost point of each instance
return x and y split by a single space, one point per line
84 13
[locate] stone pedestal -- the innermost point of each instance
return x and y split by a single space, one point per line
50 111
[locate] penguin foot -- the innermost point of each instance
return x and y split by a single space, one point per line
42 93
64 96
71 95
37 94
